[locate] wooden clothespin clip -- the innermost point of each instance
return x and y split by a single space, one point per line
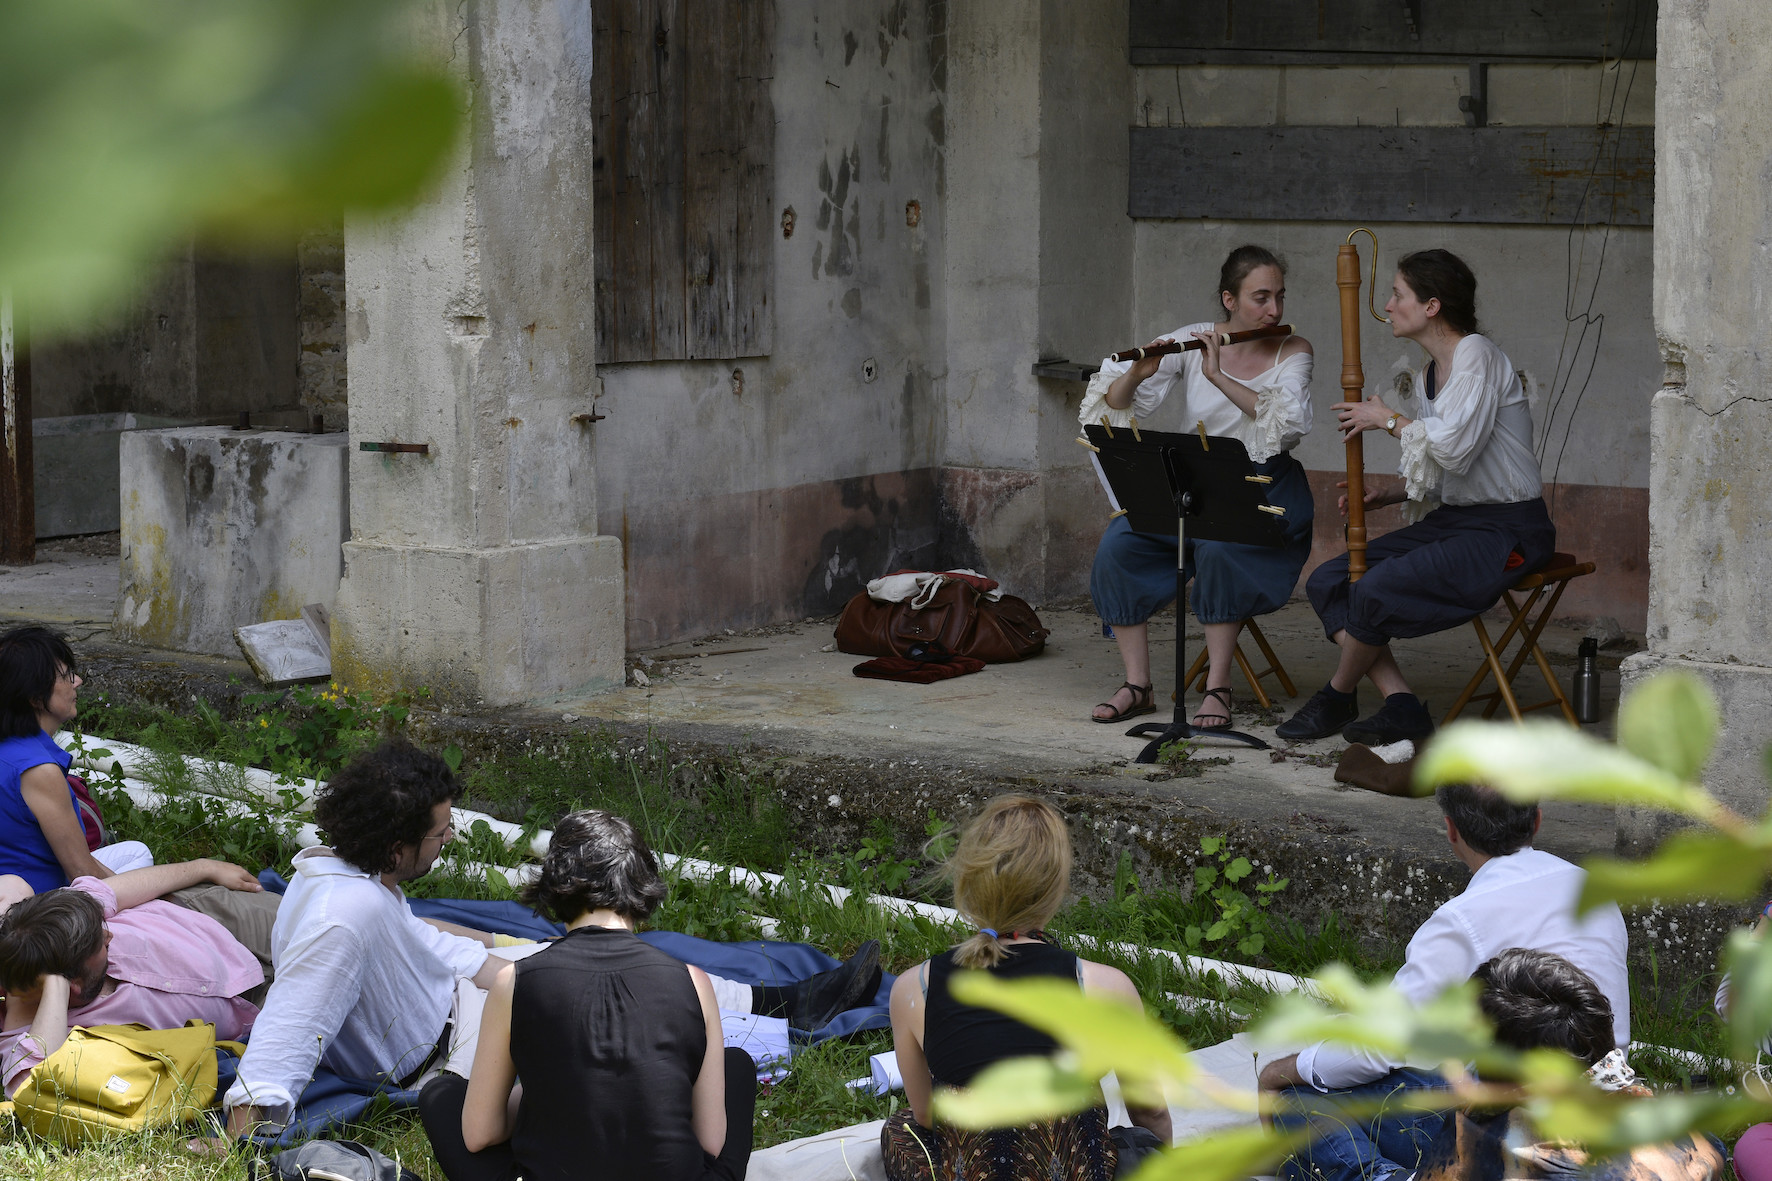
1135 433
1119 512
1200 426
1088 444
1107 426
1271 508
1259 479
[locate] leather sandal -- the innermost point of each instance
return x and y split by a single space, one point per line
1141 704
1222 695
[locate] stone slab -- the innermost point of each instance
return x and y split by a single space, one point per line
223 528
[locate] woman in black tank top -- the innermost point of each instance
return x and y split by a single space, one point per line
1011 872
618 1045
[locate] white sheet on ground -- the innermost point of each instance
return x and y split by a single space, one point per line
854 1152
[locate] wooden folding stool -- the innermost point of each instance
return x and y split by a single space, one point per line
1196 674
1554 578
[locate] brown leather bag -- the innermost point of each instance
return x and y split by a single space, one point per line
958 616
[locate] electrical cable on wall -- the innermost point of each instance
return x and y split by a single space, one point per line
1609 114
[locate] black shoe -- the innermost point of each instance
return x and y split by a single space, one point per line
1324 714
853 982
1401 716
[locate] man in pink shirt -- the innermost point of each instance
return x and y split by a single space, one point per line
110 952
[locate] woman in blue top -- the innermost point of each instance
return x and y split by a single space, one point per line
41 839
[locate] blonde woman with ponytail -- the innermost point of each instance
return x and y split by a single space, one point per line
1011 873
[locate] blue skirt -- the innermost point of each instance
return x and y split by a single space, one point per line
1445 569
1134 574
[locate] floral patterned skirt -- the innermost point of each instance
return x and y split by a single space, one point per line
1071 1148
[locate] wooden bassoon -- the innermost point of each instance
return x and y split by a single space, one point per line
1353 384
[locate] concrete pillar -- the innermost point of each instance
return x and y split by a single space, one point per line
1710 580
476 570
1039 264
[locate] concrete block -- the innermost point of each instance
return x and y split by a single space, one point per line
76 469
497 625
223 528
1736 771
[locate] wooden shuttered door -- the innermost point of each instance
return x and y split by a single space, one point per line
684 170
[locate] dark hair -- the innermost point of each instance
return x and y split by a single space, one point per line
31 658
1442 275
1538 999
53 932
596 859
381 799
1236 268
1488 821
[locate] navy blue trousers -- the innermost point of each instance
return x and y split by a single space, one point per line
1445 569
1383 1140
1134 573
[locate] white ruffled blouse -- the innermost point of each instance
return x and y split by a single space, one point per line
1282 398
1472 442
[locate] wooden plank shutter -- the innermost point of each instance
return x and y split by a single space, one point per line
684 169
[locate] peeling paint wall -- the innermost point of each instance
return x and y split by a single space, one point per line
749 489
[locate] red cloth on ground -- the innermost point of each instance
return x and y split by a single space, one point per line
917 672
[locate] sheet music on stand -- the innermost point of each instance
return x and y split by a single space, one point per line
1185 486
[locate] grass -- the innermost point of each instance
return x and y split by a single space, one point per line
726 817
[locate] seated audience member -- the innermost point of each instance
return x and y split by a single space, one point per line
618 1045
1517 897
1011 872
1536 1000
109 953
42 837
365 987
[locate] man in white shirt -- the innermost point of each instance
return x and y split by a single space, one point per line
362 984
1517 897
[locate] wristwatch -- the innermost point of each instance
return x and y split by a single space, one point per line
1390 424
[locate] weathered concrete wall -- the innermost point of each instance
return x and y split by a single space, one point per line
750 489
76 470
222 528
1539 287
1039 265
208 339
1710 602
475 570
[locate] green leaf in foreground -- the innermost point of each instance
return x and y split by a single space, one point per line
1102 1034
1541 760
1749 961
1670 721
131 127
1377 1017
1018 1091
1690 864
1222 1156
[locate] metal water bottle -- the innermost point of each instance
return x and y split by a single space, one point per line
1586 688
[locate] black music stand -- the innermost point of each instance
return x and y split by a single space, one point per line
1199 486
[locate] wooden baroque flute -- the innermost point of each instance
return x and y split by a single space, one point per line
1176 346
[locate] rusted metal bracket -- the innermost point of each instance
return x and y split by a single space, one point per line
398 448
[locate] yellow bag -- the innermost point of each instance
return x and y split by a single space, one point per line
111 1079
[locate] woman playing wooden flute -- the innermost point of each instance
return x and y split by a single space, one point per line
1467 443
1257 392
